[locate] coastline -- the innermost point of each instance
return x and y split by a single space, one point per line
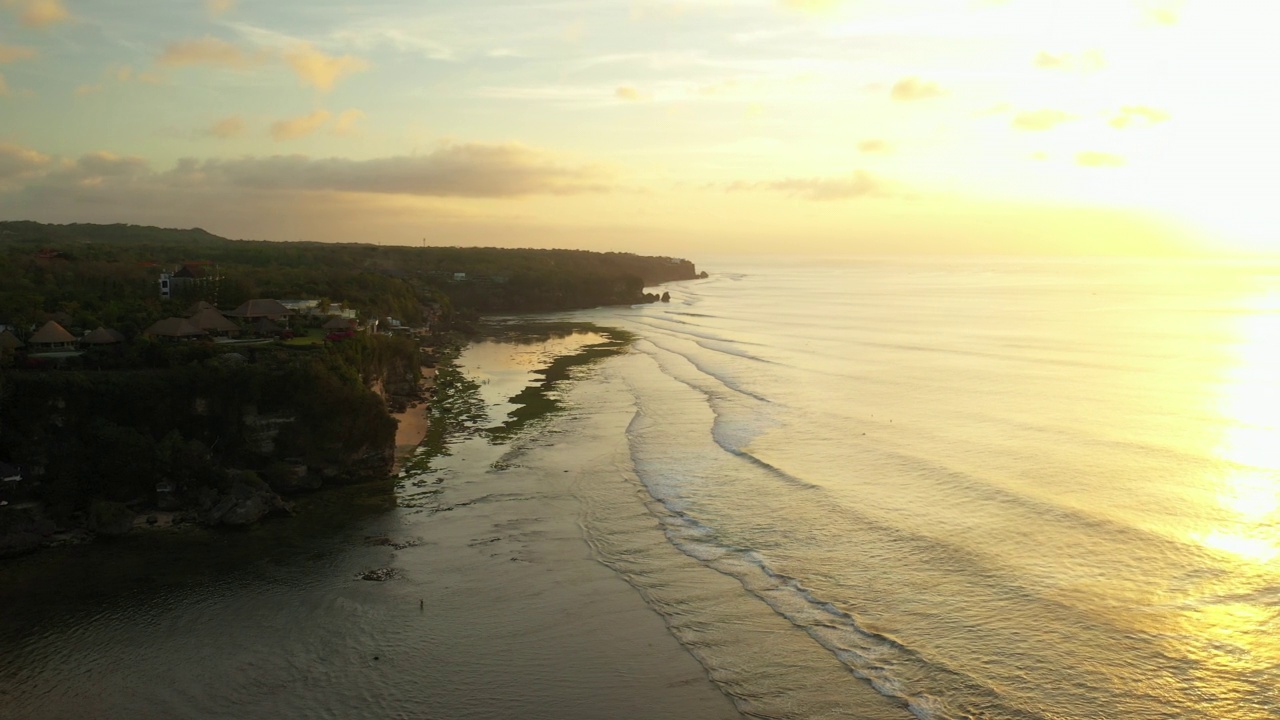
412 423
528 618
494 603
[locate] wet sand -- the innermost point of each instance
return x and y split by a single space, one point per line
523 619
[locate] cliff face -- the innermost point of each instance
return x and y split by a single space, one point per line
216 442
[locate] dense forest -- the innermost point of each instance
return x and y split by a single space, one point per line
107 275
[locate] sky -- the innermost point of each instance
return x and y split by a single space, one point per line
1089 127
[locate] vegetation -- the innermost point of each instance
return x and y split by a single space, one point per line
113 436
107 275
214 429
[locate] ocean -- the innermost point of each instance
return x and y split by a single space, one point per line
992 488
948 488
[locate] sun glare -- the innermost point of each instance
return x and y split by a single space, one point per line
1249 486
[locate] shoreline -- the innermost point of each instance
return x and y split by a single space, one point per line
413 422
471 589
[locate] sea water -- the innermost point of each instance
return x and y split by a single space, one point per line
953 488
992 488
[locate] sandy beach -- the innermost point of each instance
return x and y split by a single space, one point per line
412 424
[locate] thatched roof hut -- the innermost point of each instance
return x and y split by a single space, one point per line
212 321
261 308
52 335
340 323
102 336
197 307
173 327
9 341
264 326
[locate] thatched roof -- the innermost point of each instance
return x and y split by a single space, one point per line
261 308
173 327
52 334
264 326
340 323
211 320
197 307
102 336
9 341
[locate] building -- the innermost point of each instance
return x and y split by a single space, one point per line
191 278
212 322
174 328
261 308
51 338
102 336
9 342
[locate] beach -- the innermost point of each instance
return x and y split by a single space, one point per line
412 423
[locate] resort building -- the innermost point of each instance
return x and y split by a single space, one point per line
51 338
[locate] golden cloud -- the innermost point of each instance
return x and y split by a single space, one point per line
630 94
861 184
12 53
913 88
1040 120
208 50
723 87
83 90
96 166
227 128
347 121
471 170
219 7
1091 60
322 71
39 13
874 146
811 5
1090 158
293 128
1139 114
17 161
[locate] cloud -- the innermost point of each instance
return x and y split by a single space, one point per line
102 180
346 124
13 53
108 164
1162 12
4 86
217 8
39 13
208 50
1138 114
227 128
874 146
724 87
322 71
860 184
293 128
811 5
83 90
1040 120
630 94
1091 60
913 88
16 162
462 170
1090 158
